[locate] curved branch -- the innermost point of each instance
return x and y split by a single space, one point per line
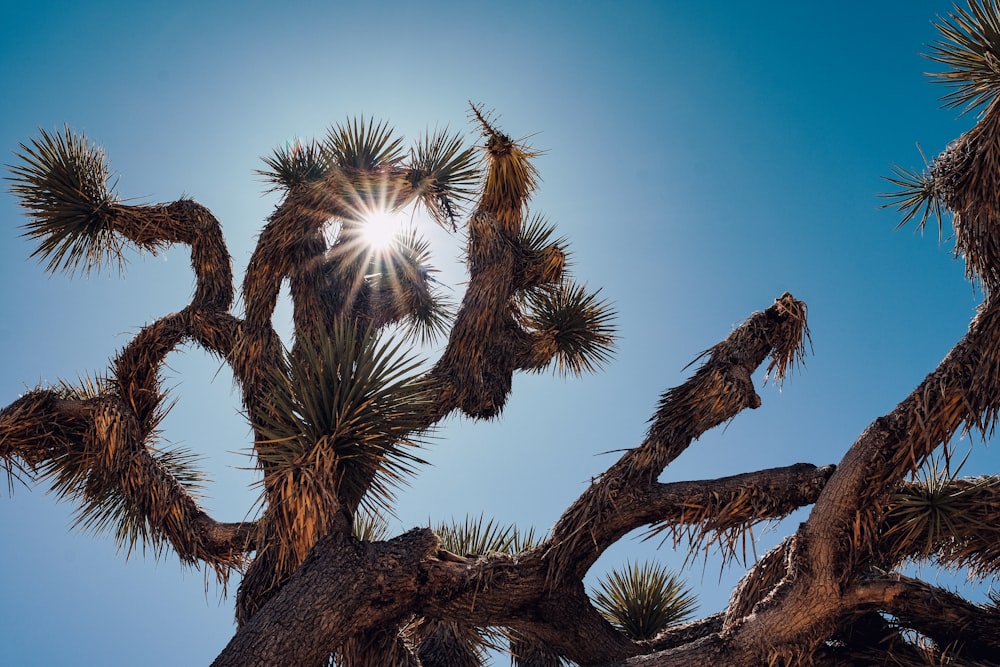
509 591
87 447
188 222
343 588
972 630
486 342
719 390
964 389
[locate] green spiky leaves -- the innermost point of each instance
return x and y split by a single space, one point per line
295 164
576 327
917 198
356 146
443 173
403 289
63 181
363 145
580 324
949 519
480 537
370 526
970 49
366 167
341 422
642 601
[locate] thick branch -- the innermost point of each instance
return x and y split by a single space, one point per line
805 607
188 222
686 633
510 591
719 390
708 651
70 440
972 630
344 587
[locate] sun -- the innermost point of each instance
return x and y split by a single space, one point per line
380 228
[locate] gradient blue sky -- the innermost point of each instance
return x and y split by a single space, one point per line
702 157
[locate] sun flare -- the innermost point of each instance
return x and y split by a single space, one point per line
381 227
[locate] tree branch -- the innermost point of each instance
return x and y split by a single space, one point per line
835 542
87 447
719 390
970 630
510 591
343 588
188 222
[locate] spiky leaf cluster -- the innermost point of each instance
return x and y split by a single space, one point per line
538 233
962 179
344 414
401 281
917 198
370 526
442 173
367 166
642 600
971 52
479 537
295 164
946 518
363 145
63 181
579 322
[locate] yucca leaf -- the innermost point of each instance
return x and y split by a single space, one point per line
345 415
642 601
538 233
947 518
86 387
295 164
581 324
479 537
917 198
443 174
970 49
63 181
363 145
402 283
921 517
370 526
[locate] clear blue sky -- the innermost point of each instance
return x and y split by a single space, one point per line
702 157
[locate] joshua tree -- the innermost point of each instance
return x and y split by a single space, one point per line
337 419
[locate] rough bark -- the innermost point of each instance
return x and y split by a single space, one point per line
354 586
808 602
521 592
